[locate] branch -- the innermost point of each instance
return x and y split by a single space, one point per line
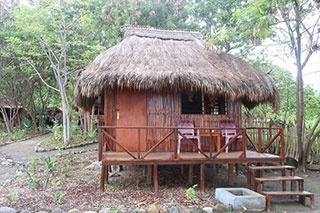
43 81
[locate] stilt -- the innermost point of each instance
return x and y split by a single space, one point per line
284 183
102 178
190 175
202 177
155 178
144 171
107 174
182 170
217 168
149 174
230 167
237 168
248 179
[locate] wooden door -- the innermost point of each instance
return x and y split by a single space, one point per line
131 111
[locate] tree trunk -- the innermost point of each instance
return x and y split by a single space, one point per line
7 120
310 140
300 115
65 114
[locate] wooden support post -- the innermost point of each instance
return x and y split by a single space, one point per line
293 183
217 168
182 170
144 171
301 185
312 201
149 174
230 178
303 200
202 177
107 175
268 198
155 178
237 168
102 178
249 178
284 183
190 175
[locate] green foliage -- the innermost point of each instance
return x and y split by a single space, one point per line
14 194
18 134
57 131
191 193
116 210
58 196
34 179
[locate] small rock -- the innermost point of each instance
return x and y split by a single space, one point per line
139 211
219 208
42 212
94 166
196 209
173 209
25 211
104 210
153 209
164 210
90 212
184 210
74 211
7 210
57 210
207 210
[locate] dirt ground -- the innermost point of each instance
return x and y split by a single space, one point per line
74 183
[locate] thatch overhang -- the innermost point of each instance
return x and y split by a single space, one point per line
164 60
9 103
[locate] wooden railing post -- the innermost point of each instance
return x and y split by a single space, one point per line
282 154
100 145
175 147
259 140
138 143
210 143
244 145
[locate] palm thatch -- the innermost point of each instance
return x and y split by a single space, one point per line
154 59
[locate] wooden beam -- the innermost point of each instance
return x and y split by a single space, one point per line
182 169
237 168
202 177
155 178
149 174
190 175
230 177
102 178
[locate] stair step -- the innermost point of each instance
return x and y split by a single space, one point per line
254 168
280 178
276 193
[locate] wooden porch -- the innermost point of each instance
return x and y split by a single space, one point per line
248 150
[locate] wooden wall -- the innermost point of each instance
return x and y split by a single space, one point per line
149 108
164 109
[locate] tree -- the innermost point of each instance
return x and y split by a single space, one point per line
296 25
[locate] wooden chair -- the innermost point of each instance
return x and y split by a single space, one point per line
188 133
228 134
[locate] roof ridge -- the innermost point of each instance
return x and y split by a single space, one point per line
166 34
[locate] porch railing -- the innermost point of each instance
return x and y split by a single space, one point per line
104 144
262 146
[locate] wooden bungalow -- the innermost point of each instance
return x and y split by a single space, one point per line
9 109
154 79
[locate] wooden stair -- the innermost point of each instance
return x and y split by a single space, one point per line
255 175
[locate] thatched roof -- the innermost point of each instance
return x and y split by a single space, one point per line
7 102
154 59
